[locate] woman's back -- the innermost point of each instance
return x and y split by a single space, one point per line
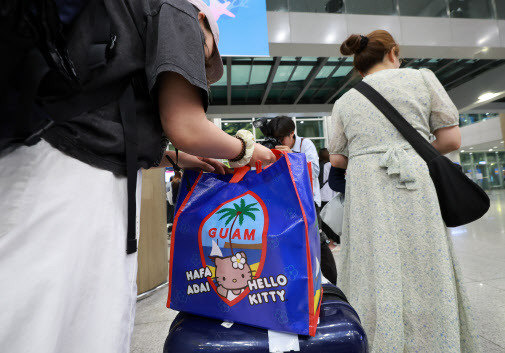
416 94
396 263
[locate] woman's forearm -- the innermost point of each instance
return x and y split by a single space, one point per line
204 139
338 161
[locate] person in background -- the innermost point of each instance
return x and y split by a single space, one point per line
68 282
397 263
283 128
175 183
170 206
324 157
326 194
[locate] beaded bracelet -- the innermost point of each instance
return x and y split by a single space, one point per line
242 153
248 143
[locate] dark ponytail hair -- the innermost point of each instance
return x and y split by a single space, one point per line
369 50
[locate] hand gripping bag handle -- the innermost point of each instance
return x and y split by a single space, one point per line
239 173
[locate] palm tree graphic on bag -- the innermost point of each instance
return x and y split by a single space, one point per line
239 211
233 272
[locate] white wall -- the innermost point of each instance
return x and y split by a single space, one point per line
481 133
320 34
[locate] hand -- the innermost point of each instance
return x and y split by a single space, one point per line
283 148
219 167
263 154
187 161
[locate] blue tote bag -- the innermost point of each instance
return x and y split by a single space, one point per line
245 248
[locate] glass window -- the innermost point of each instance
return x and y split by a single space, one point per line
283 73
309 58
301 73
423 8
319 143
470 8
218 95
331 6
325 72
232 128
309 128
240 74
259 74
342 71
465 158
500 9
468 119
371 7
277 5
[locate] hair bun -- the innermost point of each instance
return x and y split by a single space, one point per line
351 45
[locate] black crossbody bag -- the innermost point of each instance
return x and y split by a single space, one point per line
461 200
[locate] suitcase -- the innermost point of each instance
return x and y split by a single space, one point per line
339 330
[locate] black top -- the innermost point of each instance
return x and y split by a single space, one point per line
153 37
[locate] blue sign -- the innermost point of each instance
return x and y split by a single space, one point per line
242 25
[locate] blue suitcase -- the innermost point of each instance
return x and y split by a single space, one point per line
339 330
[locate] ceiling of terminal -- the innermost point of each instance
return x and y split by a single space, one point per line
318 80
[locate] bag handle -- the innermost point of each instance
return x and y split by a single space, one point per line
239 173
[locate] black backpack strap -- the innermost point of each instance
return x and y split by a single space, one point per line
417 141
128 119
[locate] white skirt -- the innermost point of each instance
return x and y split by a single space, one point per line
67 284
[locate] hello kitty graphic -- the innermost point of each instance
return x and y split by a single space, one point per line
232 274
233 245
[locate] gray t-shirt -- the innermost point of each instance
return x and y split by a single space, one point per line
153 37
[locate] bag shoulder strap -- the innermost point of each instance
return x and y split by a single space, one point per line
127 111
416 140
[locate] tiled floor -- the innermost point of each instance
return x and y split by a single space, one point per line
481 250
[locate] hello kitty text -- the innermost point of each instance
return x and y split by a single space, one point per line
268 295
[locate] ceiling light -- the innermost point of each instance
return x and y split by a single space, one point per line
331 38
495 147
471 148
487 96
282 36
471 153
462 151
482 162
501 142
490 150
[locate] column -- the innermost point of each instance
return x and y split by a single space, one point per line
153 244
